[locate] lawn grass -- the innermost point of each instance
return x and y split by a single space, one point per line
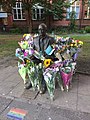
8 44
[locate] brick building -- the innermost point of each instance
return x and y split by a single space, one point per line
19 17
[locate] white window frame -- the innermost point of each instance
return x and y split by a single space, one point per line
37 7
70 9
18 8
88 12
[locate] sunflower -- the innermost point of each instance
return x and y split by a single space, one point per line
47 62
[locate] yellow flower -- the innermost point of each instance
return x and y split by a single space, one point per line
75 45
75 42
27 61
58 36
80 42
71 45
24 35
47 62
24 45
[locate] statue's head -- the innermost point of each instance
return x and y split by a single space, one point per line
42 28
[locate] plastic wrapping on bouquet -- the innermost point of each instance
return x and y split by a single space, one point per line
32 77
23 71
75 56
50 83
31 51
66 77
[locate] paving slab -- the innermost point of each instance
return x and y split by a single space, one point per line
83 103
36 112
84 89
62 99
4 103
9 83
29 94
84 78
17 91
7 72
84 85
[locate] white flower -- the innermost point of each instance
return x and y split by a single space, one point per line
32 69
40 65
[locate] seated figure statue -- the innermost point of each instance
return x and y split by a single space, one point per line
41 43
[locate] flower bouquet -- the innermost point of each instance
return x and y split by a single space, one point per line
39 69
66 75
49 76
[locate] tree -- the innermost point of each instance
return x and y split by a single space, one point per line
7 5
55 8
72 24
51 7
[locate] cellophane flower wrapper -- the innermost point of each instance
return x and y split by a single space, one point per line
56 68
23 71
66 74
32 73
39 69
49 76
73 66
75 56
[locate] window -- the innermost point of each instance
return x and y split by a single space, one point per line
74 7
87 12
18 12
37 13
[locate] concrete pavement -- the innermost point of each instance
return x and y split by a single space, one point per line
72 105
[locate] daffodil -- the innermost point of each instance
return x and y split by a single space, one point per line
47 62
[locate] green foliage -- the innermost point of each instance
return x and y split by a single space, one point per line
55 8
61 30
7 5
8 44
87 29
72 25
15 30
19 30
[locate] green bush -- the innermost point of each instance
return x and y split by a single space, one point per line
15 30
87 29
